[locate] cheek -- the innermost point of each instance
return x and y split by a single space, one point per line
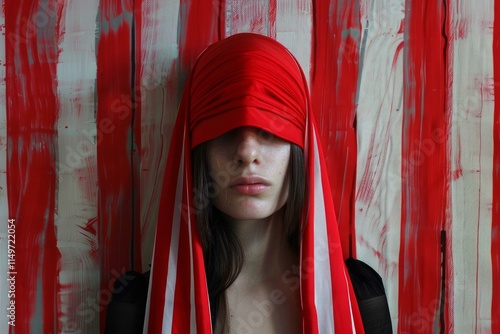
281 165
282 195
283 161
215 160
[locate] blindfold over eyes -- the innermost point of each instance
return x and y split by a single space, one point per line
247 82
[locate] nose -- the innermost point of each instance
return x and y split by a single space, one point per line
248 146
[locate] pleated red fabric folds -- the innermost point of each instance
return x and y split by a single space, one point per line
245 80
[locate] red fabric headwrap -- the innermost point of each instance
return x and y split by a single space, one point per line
245 80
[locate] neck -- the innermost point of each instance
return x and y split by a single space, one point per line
266 250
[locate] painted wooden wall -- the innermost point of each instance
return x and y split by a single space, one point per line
404 92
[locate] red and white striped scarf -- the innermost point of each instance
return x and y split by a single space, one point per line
245 80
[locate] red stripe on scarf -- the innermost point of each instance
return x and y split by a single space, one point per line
182 297
156 300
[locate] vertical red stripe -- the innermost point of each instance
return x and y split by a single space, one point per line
31 30
334 79
115 135
424 167
137 149
222 19
495 223
444 137
200 25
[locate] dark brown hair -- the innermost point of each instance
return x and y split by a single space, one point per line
221 248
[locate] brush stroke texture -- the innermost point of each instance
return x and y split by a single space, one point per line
32 111
158 84
77 173
334 83
294 30
404 94
424 168
114 155
379 122
472 166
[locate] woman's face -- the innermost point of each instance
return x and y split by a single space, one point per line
249 167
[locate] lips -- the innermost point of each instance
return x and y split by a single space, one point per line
250 185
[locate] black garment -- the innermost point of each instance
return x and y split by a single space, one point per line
370 294
127 308
128 305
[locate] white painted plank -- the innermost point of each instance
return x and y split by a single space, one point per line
77 170
248 16
159 91
292 24
294 30
471 164
379 124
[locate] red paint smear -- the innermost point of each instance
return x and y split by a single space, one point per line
369 182
257 25
272 18
89 232
462 28
457 174
495 222
32 112
114 152
334 78
90 227
425 168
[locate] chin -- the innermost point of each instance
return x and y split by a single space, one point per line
251 211
249 208
249 214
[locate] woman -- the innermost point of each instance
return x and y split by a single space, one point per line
247 239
